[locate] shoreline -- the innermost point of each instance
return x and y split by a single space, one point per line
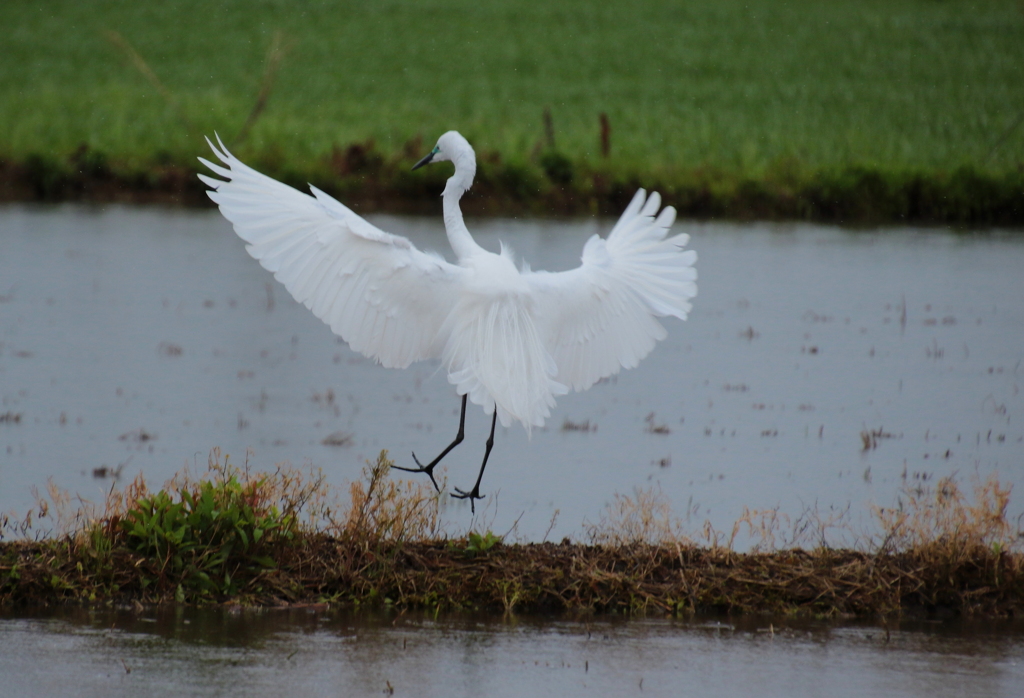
368 182
545 578
237 537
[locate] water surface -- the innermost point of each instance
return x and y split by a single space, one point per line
312 652
141 338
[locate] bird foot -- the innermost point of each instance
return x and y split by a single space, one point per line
472 495
428 469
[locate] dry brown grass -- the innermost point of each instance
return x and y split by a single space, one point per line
389 511
941 519
644 518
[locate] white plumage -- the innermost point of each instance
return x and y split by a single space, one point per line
511 340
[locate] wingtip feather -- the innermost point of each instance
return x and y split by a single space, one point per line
652 204
226 156
214 184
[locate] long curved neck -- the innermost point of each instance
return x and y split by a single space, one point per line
458 184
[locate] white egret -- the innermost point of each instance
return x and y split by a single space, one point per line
510 339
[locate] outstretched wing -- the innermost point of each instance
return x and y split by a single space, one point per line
602 316
383 296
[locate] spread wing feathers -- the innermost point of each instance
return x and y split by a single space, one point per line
601 316
377 291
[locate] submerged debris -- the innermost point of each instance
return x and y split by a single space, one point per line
584 426
870 437
139 435
653 428
338 438
10 417
105 471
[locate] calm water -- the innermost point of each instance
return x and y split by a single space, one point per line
141 338
309 653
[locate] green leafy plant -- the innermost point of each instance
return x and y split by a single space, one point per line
480 543
210 535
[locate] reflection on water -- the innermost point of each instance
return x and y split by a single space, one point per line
820 368
311 652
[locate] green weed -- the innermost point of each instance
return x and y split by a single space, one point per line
479 543
208 535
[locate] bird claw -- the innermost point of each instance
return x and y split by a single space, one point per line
471 496
428 469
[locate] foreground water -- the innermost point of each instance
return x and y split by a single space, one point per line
322 653
137 339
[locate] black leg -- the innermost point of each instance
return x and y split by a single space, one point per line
429 468
475 492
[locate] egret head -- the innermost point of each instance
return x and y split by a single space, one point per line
450 147
454 148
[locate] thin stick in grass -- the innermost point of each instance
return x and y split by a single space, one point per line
275 54
140 63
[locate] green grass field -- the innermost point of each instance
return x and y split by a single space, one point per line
750 88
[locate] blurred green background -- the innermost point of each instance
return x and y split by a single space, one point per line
749 87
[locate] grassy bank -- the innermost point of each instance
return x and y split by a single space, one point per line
848 111
282 538
368 181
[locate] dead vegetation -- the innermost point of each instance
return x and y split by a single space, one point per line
938 551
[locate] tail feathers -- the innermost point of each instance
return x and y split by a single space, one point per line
495 356
637 252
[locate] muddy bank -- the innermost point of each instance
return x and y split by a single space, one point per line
543 577
233 536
